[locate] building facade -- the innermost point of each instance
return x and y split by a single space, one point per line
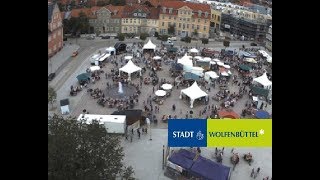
189 19
139 19
55 29
215 19
269 39
106 19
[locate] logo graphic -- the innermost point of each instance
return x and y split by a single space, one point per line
200 136
261 131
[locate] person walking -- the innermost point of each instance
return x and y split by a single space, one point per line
138 133
256 174
252 172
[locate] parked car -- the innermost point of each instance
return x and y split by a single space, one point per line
75 53
90 37
105 37
253 44
51 76
172 38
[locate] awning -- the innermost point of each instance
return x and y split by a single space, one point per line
261 114
245 67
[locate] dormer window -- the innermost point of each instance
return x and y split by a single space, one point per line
199 13
206 14
170 10
164 9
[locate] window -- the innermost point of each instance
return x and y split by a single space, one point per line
174 18
162 16
162 23
218 18
205 21
123 20
198 20
189 12
134 20
170 10
174 24
193 20
184 26
169 17
198 27
126 20
180 12
116 29
130 28
164 9
130 20
180 19
185 12
135 14
111 28
204 28
184 19
139 14
188 19
125 28
179 25
192 26
107 28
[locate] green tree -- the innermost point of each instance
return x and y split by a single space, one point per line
164 37
143 36
83 22
195 33
52 95
72 4
77 150
127 173
226 43
187 39
205 41
118 2
171 30
121 37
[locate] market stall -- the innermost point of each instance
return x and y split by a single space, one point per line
193 92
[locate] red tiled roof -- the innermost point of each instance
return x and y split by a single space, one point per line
128 10
119 10
86 11
155 3
194 6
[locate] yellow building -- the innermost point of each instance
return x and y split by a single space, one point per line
215 19
138 19
186 17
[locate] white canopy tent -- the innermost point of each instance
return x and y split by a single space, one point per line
193 92
224 73
207 59
264 81
210 75
198 57
216 60
194 50
149 45
226 66
220 63
186 62
130 68
197 70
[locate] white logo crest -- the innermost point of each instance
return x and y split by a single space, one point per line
200 136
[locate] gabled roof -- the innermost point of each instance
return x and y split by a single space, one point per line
179 4
193 6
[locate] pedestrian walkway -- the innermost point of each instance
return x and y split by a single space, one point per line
59 60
